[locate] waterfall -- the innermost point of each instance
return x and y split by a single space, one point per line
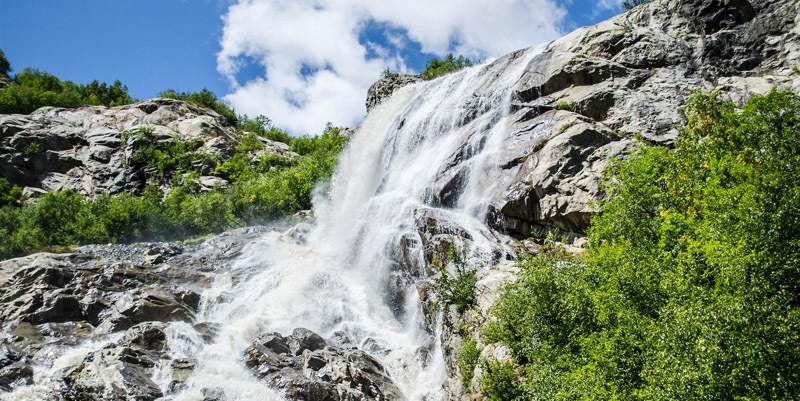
333 277
425 159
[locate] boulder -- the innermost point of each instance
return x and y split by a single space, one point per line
113 373
306 367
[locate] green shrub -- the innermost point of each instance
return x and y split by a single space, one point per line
436 68
204 98
33 149
456 288
688 289
250 143
501 383
468 357
569 106
9 194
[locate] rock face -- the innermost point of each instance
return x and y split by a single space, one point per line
589 92
91 149
587 95
306 367
384 87
123 295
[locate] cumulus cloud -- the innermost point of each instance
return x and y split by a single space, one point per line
317 63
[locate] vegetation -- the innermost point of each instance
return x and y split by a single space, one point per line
5 66
32 89
629 4
456 287
204 98
262 188
690 285
569 106
436 68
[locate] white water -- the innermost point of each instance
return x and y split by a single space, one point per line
332 275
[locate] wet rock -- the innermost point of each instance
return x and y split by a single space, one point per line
113 373
15 369
182 369
149 336
305 367
304 339
213 394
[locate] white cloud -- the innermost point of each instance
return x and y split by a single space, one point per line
603 5
322 36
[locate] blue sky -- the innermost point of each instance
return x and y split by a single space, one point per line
300 62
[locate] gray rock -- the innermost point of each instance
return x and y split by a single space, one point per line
632 74
90 149
384 87
113 373
305 367
15 369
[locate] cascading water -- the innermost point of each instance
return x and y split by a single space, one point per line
428 155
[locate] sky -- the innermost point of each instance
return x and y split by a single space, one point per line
302 63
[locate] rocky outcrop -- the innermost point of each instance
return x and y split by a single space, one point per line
384 87
92 150
122 296
306 367
589 92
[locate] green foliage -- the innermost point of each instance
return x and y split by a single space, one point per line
204 98
690 287
33 149
33 89
629 4
569 106
500 383
566 126
236 168
250 143
436 68
456 288
9 194
468 357
261 189
388 73
169 157
5 66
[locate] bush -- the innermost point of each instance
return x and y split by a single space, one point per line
436 68
9 195
33 89
500 382
689 288
456 288
468 357
204 98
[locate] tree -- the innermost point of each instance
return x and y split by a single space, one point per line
435 67
5 67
